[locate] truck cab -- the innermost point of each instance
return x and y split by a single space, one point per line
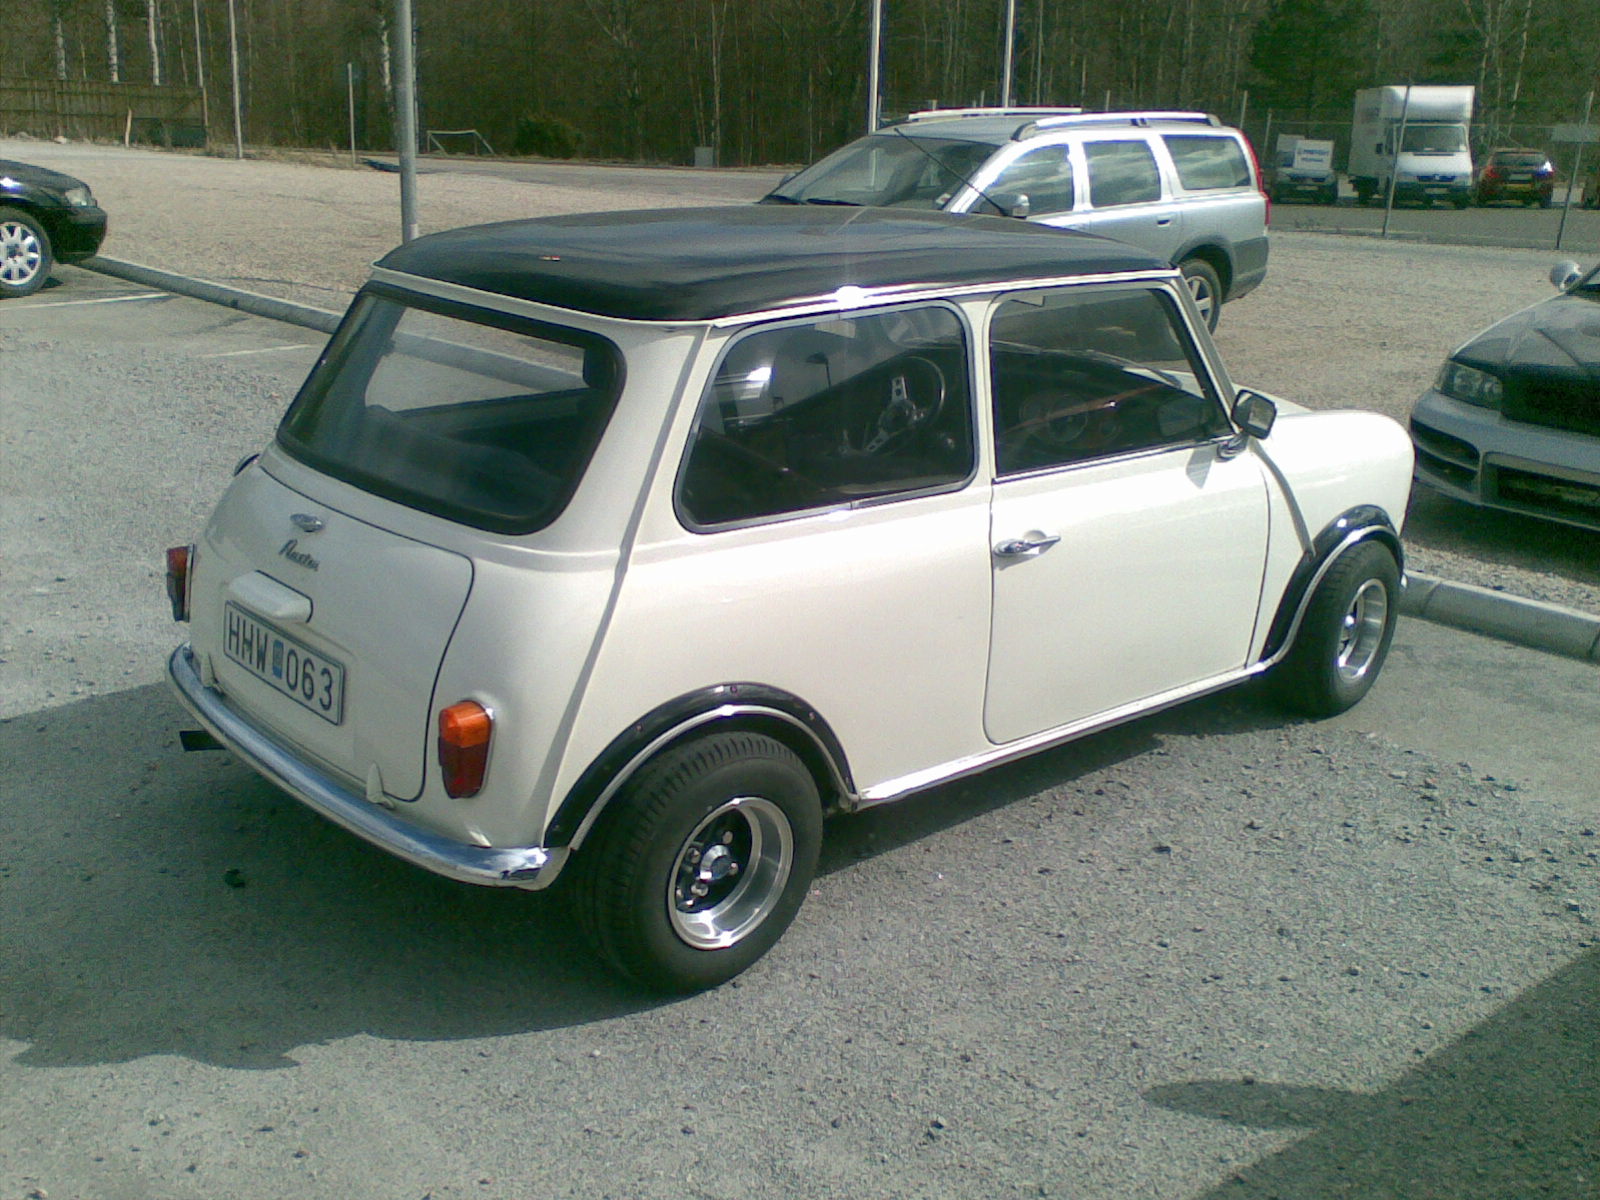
1414 140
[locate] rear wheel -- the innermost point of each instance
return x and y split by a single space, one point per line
25 257
1344 636
701 862
1205 287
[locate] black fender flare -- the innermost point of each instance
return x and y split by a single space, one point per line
1366 522
726 706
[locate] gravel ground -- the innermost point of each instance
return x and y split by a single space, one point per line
1211 955
1340 321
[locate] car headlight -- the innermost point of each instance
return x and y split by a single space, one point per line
80 197
1469 385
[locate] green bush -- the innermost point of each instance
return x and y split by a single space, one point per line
546 137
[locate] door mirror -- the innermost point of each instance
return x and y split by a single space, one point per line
1564 274
1010 204
1254 414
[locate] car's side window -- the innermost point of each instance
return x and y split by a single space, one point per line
832 412
1086 373
1044 176
1207 162
1121 172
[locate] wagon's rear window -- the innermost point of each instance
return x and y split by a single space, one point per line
474 416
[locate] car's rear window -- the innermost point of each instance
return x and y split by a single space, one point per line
1520 158
1208 162
474 416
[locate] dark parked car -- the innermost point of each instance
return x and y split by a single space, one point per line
1513 421
45 217
1517 175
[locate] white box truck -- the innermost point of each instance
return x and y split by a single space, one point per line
1431 160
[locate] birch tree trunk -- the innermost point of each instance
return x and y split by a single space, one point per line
152 22
58 37
113 57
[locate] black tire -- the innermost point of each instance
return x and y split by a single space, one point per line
25 255
1331 195
1205 287
735 814
1345 635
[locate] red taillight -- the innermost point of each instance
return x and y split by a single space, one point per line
180 562
464 732
1255 173
1491 173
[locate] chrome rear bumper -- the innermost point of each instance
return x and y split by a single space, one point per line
530 867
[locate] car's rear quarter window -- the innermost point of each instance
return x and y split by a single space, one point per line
829 414
1208 162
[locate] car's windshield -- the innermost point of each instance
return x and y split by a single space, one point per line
1520 158
1435 139
477 417
889 170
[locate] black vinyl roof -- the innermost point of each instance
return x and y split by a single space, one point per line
695 264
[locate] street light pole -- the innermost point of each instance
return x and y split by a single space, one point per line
233 66
405 107
875 53
1011 45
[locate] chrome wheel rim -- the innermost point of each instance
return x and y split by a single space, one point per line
1361 631
20 254
730 873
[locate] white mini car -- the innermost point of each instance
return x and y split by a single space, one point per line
628 546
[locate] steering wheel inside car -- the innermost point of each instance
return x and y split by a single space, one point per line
913 396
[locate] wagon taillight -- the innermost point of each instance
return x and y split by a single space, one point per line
465 729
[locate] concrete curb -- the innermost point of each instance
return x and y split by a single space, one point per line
253 303
1532 623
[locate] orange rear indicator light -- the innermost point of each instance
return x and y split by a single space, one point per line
180 562
465 730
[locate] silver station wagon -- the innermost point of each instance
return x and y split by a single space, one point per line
627 547
1179 184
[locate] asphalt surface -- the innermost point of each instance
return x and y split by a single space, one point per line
1212 955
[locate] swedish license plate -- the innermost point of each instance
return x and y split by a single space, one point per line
1520 177
308 677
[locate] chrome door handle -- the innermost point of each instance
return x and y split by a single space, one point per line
1029 545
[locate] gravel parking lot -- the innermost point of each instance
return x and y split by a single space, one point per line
1212 955
1340 321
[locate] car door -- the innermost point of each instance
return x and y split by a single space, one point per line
1128 542
1124 196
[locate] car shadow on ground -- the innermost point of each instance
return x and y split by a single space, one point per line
156 902
1512 1108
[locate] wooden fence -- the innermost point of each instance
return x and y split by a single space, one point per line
140 112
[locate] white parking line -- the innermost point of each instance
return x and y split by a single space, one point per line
262 350
102 300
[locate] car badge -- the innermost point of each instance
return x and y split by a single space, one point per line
306 523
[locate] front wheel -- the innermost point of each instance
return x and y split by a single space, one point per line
1344 636
701 862
1205 287
25 257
